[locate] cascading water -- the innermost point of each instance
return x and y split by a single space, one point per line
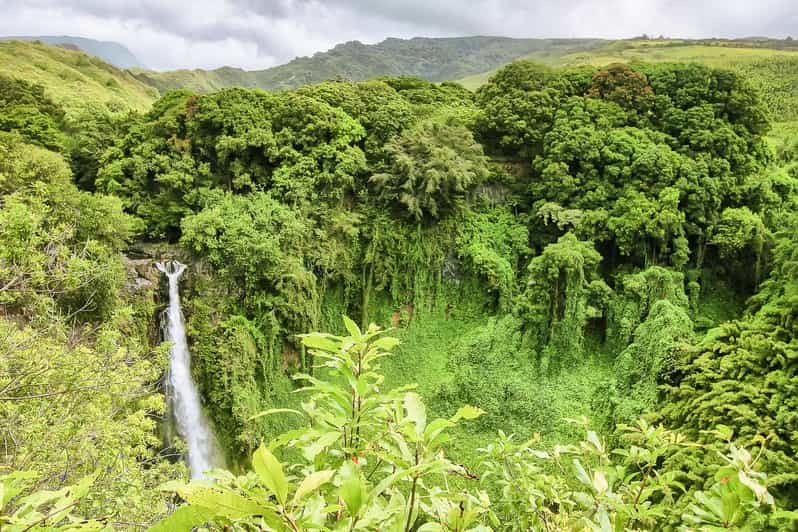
192 424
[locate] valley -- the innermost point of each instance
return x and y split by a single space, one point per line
559 294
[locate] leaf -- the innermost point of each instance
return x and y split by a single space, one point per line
416 411
600 482
581 474
351 491
467 412
276 411
604 519
593 438
386 343
791 515
759 490
311 483
221 502
13 484
354 330
324 343
271 473
435 427
184 519
311 450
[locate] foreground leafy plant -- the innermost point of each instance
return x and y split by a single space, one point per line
368 459
41 510
625 489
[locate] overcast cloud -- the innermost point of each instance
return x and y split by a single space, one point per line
256 34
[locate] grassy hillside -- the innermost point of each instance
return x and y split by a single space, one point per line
110 52
771 65
73 78
432 59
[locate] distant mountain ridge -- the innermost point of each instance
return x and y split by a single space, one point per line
110 52
435 59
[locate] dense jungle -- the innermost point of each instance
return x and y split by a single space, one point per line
564 300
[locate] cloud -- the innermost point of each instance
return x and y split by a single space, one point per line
254 34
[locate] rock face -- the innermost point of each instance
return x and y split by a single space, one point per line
141 275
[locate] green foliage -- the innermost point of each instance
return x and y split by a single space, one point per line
554 306
492 243
239 369
431 170
368 457
166 167
376 105
50 509
76 371
636 295
255 244
518 107
740 234
742 374
57 244
657 346
612 195
24 108
621 489
490 369
644 158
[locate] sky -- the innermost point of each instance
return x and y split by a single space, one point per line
257 34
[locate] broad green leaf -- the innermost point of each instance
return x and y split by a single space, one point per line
184 519
467 412
386 343
313 449
311 483
13 484
436 426
271 473
315 341
221 502
352 492
354 330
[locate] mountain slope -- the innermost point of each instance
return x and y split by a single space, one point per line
433 59
73 78
110 52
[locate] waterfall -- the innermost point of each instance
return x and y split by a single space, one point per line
192 423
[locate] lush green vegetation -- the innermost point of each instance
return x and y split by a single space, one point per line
589 273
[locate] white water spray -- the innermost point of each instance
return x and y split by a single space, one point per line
192 424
